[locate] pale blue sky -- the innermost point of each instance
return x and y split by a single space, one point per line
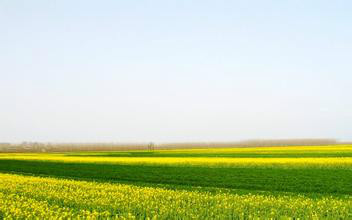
175 70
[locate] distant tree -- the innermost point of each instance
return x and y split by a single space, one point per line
151 146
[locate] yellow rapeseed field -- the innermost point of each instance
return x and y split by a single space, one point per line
191 161
27 197
313 158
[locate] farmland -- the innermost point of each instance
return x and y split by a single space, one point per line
302 182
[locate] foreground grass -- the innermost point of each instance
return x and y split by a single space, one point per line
34 197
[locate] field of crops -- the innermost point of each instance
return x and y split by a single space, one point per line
219 183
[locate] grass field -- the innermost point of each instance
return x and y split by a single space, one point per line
230 183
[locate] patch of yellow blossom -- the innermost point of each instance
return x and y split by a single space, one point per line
345 162
24 197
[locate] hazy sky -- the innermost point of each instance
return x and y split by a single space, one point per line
175 70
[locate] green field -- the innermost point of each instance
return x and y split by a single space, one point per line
216 183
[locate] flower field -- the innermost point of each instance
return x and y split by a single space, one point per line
35 197
194 161
326 156
248 183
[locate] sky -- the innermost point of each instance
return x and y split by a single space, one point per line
175 70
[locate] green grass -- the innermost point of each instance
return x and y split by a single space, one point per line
297 180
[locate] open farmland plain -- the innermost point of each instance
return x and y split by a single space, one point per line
303 182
